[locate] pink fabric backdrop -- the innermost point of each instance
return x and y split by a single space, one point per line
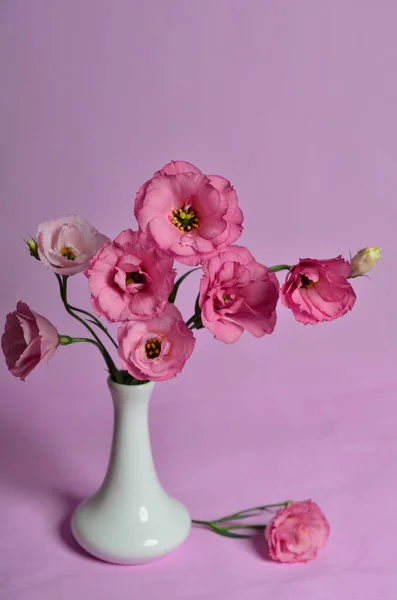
295 102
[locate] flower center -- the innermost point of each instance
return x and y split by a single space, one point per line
306 282
227 299
153 347
68 253
134 277
185 218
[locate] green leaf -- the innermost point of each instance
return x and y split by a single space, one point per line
127 379
198 324
174 292
197 309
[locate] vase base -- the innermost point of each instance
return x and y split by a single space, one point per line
143 537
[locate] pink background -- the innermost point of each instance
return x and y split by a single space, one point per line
295 102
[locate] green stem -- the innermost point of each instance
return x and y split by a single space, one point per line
225 531
251 512
66 340
176 287
277 268
241 526
96 322
108 359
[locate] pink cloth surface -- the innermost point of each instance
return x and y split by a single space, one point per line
341 450
295 102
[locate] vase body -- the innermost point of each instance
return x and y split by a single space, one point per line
130 519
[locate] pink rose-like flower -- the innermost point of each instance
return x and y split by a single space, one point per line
237 293
297 532
28 340
66 245
130 278
317 290
155 349
189 215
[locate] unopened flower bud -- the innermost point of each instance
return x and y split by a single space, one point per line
32 245
364 261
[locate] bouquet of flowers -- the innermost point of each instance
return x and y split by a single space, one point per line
195 219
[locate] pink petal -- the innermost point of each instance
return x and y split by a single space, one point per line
175 167
164 233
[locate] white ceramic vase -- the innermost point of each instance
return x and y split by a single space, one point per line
130 519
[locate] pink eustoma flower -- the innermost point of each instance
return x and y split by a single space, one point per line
130 278
28 340
66 245
297 532
237 293
191 216
157 349
318 290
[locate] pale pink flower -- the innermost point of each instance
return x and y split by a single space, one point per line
297 532
191 216
318 290
66 245
157 349
130 278
237 293
28 340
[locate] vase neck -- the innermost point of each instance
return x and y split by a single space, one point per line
131 462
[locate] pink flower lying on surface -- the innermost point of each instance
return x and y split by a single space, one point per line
66 245
237 293
190 215
297 532
317 290
28 340
130 278
155 349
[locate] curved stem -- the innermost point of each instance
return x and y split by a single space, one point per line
96 321
225 531
172 296
108 359
251 512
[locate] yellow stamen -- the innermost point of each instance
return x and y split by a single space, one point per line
153 348
68 253
185 218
